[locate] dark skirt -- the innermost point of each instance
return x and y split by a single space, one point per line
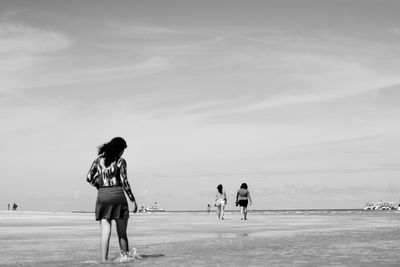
111 204
243 202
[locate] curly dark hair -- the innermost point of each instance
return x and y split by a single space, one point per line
112 150
244 186
219 187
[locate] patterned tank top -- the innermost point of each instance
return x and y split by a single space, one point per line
114 175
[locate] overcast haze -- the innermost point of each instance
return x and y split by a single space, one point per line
300 99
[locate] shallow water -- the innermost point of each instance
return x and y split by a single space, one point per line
270 238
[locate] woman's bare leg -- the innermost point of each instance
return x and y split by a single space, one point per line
105 226
122 225
222 211
245 212
219 211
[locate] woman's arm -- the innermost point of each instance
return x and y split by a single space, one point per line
248 195
124 180
125 184
93 175
225 199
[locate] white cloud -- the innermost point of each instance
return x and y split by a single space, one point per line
395 30
91 74
22 39
140 31
76 194
25 49
146 67
22 47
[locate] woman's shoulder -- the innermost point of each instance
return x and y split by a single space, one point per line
97 160
121 161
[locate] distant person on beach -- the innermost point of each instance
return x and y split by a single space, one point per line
108 175
8 206
220 201
15 206
208 208
243 199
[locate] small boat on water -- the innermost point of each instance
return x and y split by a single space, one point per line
151 208
369 206
382 205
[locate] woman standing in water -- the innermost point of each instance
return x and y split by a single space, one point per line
243 199
108 175
220 201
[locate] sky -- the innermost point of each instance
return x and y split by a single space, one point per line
299 99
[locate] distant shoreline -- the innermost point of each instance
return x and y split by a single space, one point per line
205 211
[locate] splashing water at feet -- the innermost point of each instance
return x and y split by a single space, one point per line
130 256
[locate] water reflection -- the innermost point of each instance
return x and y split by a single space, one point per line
152 255
242 234
232 235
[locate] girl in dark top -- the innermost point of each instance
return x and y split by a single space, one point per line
242 199
108 175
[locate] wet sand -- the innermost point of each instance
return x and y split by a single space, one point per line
286 238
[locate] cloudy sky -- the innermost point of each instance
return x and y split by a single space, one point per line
300 99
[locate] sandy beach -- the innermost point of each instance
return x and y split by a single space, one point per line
277 238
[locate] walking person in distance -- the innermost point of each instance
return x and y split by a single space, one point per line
243 199
108 174
220 201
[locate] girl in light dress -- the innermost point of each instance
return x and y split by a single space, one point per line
220 201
